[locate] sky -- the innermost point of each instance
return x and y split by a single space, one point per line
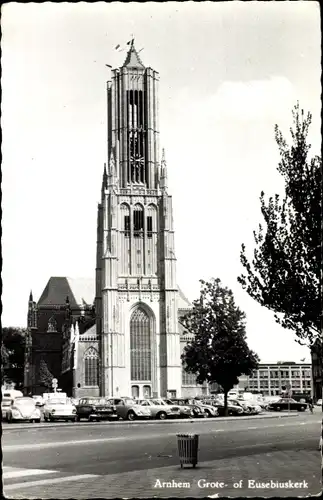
229 71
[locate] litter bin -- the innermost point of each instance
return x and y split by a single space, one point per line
188 448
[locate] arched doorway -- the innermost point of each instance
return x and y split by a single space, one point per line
135 391
146 391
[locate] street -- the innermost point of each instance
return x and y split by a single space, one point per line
141 460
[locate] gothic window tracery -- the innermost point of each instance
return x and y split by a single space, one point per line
91 367
140 345
188 378
125 217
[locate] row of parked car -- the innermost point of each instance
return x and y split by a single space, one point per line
56 407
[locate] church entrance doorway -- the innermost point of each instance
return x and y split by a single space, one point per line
146 391
141 391
135 391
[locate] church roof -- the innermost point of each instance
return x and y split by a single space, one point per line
80 291
90 334
183 302
133 60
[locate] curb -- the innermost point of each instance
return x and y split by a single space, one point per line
45 425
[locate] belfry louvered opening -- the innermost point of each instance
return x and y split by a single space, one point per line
138 222
136 137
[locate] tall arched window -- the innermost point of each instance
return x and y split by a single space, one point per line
124 261
138 221
138 233
91 367
140 345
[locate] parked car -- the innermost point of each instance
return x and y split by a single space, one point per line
211 411
287 404
319 402
129 409
251 407
255 407
184 410
59 409
95 409
23 408
233 409
247 409
176 411
11 394
38 400
5 405
160 410
189 407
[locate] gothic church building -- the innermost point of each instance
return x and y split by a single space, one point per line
122 336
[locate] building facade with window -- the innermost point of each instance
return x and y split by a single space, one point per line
134 344
272 379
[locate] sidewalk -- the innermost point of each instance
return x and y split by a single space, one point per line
298 466
46 425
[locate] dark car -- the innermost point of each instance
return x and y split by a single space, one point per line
287 404
189 407
95 409
233 409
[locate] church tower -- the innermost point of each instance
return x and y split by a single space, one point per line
136 291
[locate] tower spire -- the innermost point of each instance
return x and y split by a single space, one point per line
31 296
132 59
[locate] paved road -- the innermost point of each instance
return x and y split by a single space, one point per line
102 460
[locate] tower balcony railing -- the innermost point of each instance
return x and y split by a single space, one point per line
137 189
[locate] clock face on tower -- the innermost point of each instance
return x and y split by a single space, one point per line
137 159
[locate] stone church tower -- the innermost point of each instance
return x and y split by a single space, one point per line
136 291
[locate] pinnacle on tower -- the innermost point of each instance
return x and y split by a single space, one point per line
31 296
163 171
104 177
132 60
112 174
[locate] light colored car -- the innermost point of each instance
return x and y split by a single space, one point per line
175 409
211 411
129 409
252 406
319 402
247 409
159 409
23 409
59 409
188 407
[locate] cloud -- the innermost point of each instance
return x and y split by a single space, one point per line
253 100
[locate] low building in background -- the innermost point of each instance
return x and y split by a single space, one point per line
273 379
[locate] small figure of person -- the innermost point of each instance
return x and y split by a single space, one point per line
310 404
